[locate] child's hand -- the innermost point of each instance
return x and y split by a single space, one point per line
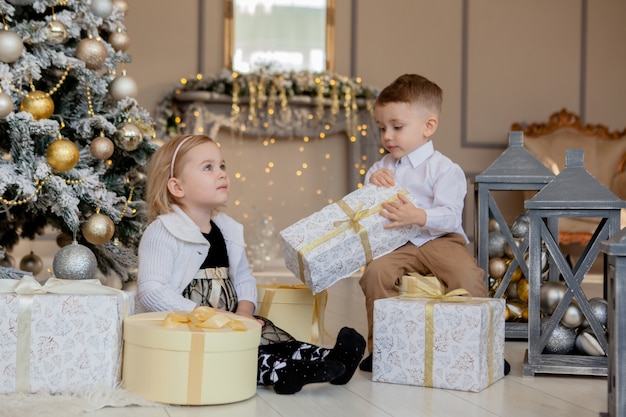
383 177
250 316
402 213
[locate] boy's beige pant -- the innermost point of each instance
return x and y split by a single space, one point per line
447 257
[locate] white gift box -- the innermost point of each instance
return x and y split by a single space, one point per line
338 240
437 343
65 336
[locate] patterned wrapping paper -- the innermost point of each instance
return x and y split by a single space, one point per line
74 341
338 240
467 342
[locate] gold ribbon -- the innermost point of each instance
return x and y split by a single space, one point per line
201 319
353 221
26 288
428 289
319 307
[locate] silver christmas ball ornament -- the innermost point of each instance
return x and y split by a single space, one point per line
102 8
520 226
6 104
599 309
588 343
497 267
11 46
573 316
74 261
496 244
550 294
562 339
123 86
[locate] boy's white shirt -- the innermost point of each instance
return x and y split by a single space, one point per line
437 183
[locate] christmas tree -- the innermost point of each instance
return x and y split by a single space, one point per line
73 139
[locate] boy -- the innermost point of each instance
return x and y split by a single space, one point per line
407 114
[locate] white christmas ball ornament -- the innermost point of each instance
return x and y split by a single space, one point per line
74 262
11 46
6 105
102 8
122 87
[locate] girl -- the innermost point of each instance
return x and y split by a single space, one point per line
192 255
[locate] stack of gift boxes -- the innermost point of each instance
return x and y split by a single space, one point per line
68 337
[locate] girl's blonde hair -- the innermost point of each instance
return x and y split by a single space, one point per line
163 165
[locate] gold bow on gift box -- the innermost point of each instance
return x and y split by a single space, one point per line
425 288
352 222
202 318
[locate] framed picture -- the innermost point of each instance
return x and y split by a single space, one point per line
279 35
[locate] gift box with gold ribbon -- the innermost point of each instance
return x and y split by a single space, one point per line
442 341
294 309
338 240
201 357
62 336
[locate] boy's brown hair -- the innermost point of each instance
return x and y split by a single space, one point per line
413 88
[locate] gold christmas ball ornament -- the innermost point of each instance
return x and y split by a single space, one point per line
119 40
31 263
6 104
39 104
92 52
122 87
11 46
497 267
98 229
56 32
129 137
102 147
120 5
493 225
522 290
74 262
62 155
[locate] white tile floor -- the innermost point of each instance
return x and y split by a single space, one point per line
513 396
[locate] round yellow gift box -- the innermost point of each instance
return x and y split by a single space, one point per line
187 364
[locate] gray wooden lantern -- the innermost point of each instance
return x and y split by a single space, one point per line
614 276
515 169
572 193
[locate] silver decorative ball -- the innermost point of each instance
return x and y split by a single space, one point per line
74 262
562 339
496 244
102 8
6 104
588 343
122 87
56 32
520 226
573 316
11 46
599 308
550 294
